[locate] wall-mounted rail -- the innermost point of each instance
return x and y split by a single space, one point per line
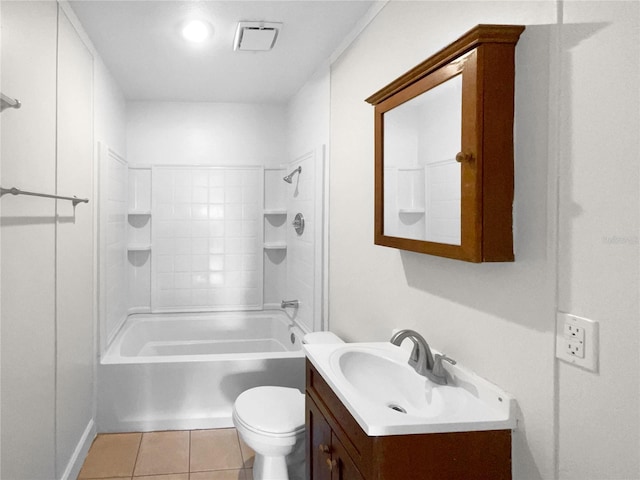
17 191
8 102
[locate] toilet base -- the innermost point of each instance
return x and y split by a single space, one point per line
290 467
269 468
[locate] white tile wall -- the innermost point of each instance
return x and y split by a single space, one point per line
113 223
304 272
207 238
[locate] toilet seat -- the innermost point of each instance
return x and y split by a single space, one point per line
272 411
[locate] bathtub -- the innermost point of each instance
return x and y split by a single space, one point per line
183 372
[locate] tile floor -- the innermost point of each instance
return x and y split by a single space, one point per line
177 455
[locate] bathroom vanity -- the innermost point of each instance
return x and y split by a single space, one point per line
338 447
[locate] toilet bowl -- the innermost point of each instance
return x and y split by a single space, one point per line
271 420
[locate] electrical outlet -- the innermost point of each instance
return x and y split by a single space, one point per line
577 341
572 331
575 348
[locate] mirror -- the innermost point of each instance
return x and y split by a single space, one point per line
421 175
444 151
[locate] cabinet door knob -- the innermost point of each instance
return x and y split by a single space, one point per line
464 157
324 448
332 463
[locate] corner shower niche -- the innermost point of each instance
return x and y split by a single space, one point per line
139 239
183 251
275 241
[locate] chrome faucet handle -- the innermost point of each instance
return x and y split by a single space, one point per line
289 304
438 373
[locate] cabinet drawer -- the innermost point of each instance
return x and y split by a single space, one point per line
356 442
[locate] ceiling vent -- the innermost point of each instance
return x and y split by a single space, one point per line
256 36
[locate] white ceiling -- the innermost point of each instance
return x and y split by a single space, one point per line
141 44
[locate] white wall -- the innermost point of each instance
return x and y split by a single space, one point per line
48 308
205 134
494 318
110 109
577 115
599 144
308 115
74 251
28 241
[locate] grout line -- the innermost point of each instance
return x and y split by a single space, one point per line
240 447
189 459
135 463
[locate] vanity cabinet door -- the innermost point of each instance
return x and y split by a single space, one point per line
327 458
342 466
318 444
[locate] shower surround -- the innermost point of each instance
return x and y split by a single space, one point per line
195 260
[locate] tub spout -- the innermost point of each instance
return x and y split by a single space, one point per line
289 304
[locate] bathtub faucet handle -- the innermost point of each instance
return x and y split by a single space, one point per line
289 304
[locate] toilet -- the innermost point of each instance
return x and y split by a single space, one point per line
271 420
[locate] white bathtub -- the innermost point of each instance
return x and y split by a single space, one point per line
165 372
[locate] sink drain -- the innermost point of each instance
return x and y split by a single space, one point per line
397 408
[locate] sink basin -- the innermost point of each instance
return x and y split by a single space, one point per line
384 382
387 397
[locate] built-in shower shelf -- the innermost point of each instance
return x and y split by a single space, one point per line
139 212
139 248
275 246
275 211
412 211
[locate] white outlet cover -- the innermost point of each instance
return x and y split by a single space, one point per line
590 328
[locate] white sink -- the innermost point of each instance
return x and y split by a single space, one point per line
387 397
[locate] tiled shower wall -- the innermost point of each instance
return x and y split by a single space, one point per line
113 233
207 238
304 251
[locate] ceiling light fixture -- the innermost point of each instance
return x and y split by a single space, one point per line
196 31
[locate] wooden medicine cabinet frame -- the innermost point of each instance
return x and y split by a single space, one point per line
485 58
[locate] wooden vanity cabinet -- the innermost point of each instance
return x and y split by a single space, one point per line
329 459
338 448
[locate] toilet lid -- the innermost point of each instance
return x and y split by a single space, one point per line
274 410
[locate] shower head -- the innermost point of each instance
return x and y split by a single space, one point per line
289 178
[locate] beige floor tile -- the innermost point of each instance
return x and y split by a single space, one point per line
248 455
215 450
171 476
221 475
163 452
111 455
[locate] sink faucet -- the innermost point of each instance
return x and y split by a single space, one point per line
421 358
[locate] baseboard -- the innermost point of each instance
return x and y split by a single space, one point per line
80 453
156 425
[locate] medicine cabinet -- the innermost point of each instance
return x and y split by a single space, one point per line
444 151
